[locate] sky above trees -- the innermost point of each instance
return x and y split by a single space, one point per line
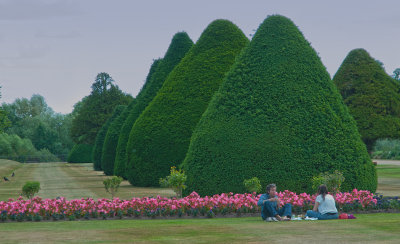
56 48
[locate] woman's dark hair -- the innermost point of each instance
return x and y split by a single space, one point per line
322 190
269 187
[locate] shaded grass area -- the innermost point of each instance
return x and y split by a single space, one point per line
388 180
68 180
367 228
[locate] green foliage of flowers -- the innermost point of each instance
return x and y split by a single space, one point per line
252 185
180 45
30 189
372 96
333 181
161 134
176 180
278 117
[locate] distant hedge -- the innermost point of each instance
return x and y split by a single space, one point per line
80 153
98 144
372 96
160 136
180 45
278 117
22 150
110 142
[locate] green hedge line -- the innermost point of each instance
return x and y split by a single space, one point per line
98 144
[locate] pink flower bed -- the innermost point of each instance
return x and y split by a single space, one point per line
192 205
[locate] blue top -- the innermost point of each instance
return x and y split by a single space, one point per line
264 197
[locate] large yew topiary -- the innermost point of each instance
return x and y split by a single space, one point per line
278 117
120 154
98 144
371 95
180 45
160 136
80 153
111 140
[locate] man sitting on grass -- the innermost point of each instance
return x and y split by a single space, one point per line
271 206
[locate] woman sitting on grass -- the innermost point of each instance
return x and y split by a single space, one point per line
324 207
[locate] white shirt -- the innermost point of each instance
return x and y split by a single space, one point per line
327 205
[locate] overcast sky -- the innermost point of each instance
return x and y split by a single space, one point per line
56 48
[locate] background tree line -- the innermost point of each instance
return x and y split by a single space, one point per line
31 131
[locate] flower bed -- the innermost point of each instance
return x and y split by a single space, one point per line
193 205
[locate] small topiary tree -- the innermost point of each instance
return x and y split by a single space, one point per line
252 185
112 184
30 189
176 180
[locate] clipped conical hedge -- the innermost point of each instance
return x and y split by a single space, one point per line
160 136
80 153
278 117
180 45
111 140
372 96
98 143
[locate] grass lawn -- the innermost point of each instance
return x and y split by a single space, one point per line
69 180
367 228
388 180
79 180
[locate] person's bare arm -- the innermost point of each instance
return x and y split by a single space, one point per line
315 209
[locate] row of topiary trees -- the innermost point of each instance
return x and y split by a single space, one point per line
226 109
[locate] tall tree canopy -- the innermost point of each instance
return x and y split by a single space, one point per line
372 96
160 136
96 109
279 117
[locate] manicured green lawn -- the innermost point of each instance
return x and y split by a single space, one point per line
388 171
367 228
68 180
80 180
388 180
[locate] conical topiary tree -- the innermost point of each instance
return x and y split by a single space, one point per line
80 153
120 154
111 140
180 45
98 144
278 117
372 96
160 136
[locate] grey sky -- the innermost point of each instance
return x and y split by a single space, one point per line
55 48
